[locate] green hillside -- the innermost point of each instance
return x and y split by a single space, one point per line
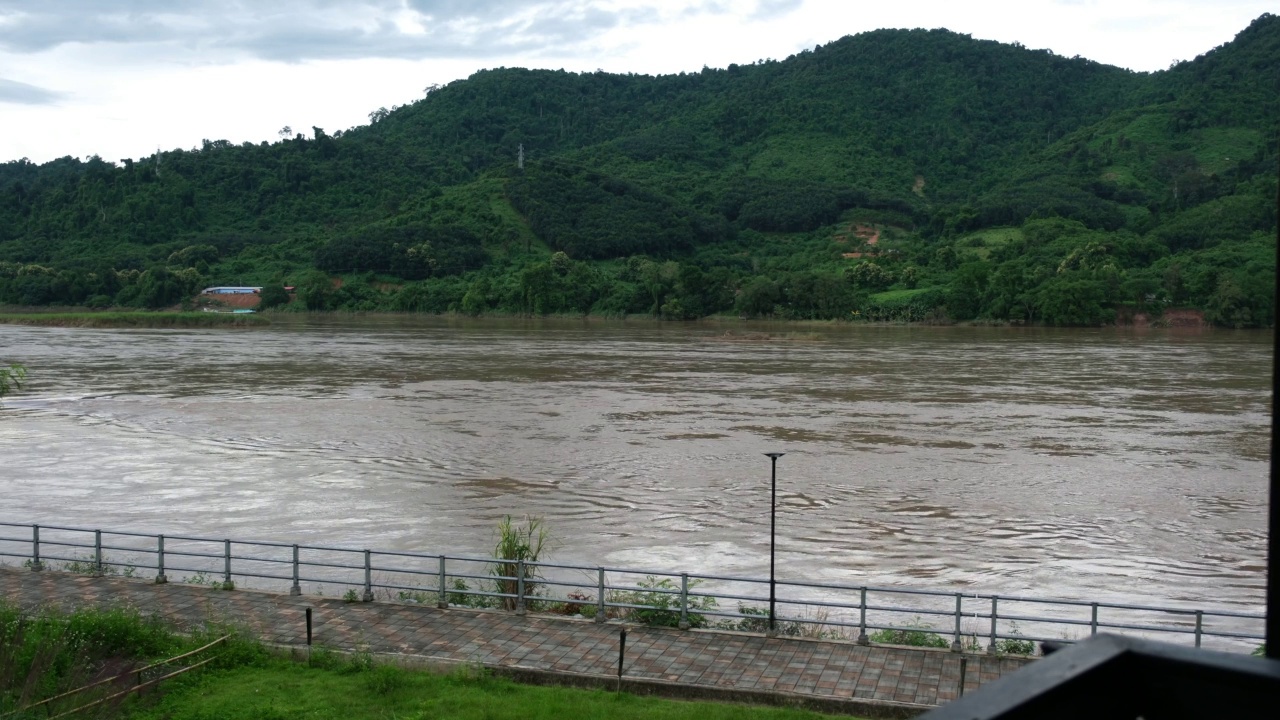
892 175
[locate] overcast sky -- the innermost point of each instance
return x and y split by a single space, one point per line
121 78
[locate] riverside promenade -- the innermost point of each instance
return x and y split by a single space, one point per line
830 676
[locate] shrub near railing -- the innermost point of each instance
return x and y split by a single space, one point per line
659 604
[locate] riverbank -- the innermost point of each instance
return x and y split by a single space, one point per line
135 319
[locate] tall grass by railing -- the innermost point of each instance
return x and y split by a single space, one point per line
55 664
958 620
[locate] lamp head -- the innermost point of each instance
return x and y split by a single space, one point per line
775 455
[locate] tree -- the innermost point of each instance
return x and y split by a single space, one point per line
273 295
316 291
1072 301
758 297
869 275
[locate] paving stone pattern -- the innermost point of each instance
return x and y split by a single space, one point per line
727 660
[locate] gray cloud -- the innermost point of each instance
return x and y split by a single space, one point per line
769 9
12 91
297 30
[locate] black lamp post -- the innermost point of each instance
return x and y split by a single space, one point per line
773 506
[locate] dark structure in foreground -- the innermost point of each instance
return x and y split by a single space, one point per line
1112 677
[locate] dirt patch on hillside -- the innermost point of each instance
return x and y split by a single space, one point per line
1171 318
1182 318
867 236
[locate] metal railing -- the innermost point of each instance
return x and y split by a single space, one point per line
969 621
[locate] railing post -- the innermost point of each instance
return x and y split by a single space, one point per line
368 576
862 620
35 549
520 586
296 589
1093 620
161 578
1199 626
97 551
226 565
599 594
684 601
442 601
955 643
991 646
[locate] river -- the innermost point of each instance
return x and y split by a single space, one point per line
1114 465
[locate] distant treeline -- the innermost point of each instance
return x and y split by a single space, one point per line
894 175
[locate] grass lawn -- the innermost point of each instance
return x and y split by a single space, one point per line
345 691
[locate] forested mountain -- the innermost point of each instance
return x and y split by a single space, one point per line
917 175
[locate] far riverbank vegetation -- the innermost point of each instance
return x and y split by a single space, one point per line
870 179
132 319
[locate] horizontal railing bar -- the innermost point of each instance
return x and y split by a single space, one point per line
1225 613
326 548
917 611
62 544
734 578
634 571
259 575
315 563
414 588
375 568
328 581
568 583
44 557
404 553
257 558
459 576
177 548
1243 636
1149 628
1055 621
586 568
145 551
186 553
481 593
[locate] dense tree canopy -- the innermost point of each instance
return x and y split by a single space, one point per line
894 175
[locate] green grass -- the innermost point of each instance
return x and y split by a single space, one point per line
1219 149
137 319
980 244
55 652
46 654
894 297
282 689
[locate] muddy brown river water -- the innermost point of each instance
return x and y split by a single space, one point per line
1107 465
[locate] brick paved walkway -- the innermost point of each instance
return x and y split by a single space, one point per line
698 658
